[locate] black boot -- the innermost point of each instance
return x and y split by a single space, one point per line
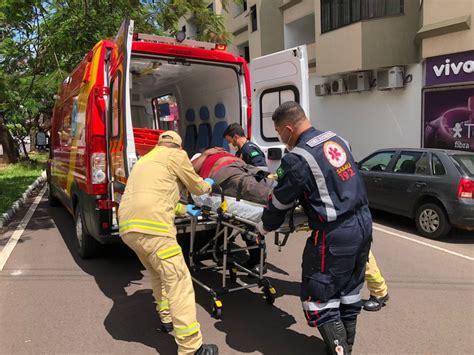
166 327
350 333
334 335
207 349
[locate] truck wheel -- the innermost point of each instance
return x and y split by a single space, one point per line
87 246
53 200
431 221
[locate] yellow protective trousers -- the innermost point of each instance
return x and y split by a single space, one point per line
172 286
375 282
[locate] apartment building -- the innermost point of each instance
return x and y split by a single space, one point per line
381 72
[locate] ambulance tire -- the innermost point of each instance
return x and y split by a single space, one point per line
87 246
52 199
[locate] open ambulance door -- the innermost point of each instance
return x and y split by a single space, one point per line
276 78
120 140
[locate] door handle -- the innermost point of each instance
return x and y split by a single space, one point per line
377 179
420 184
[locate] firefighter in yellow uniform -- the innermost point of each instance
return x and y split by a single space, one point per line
146 221
376 285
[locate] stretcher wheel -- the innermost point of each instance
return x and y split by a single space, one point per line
270 294
233 274
217 309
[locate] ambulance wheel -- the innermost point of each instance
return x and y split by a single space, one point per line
216 309
52 200
270 294
87 246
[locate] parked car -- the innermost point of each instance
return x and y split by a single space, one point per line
434 187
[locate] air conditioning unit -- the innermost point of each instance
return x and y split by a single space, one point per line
358 82
390 78
322 89
338 86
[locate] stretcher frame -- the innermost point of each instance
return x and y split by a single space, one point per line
229 227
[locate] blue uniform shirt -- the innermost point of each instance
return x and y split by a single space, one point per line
251 154
321 174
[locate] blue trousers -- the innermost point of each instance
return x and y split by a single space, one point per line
333 265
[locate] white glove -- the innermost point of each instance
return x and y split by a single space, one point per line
260 228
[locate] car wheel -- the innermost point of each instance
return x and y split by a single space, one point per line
431 221
53 200
87 246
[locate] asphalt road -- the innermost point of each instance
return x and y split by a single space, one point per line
51 301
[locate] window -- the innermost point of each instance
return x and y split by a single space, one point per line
116 106
438 168
466 162
407 162
422 166
377 162
269 101
339 13
253 17
165 109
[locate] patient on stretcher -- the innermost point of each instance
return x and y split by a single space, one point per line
235 177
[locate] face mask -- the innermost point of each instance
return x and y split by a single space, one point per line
287 142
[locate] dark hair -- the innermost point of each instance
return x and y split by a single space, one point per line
289 111
234 129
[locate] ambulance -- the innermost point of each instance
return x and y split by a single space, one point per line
112 108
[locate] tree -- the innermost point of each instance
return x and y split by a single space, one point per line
42 41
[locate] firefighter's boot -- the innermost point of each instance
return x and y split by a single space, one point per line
334 335
207 349
350 333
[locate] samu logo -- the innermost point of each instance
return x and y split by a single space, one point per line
448 68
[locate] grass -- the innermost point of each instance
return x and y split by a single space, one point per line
15 178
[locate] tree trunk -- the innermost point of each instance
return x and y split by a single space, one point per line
10 148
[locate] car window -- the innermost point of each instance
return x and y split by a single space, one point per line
466 162
407 162
377 162
438 167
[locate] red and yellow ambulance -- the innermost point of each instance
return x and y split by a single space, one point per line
112 108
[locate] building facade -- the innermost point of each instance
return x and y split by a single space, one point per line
383 73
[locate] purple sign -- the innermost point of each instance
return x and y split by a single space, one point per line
450 69
448 118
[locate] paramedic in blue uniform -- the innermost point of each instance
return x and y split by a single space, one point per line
246 150
320 173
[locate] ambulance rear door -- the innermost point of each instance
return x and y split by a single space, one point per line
276 78
120 139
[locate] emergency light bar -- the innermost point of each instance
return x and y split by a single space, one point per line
170 40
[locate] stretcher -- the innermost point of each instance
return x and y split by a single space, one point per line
232 219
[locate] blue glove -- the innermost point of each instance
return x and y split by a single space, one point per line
209 181
193 210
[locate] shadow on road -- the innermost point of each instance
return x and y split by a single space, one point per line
404 224
249 322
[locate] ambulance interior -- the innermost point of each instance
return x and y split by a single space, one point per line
196 99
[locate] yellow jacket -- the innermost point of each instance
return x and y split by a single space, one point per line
153 189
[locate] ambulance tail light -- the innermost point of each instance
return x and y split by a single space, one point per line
98 161
466 188
220 47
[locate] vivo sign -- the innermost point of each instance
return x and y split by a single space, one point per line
450 69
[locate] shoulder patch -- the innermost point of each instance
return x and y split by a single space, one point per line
280 172
323 137
335 154
254 154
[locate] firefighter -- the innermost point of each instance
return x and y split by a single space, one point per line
248 151
320 172
146 215
376 285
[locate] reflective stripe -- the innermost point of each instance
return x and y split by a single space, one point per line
186 331
168 253
313 306
163 305
350 299
144 224
320 182
375 278
279 205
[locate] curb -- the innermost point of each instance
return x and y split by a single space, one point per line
18 204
